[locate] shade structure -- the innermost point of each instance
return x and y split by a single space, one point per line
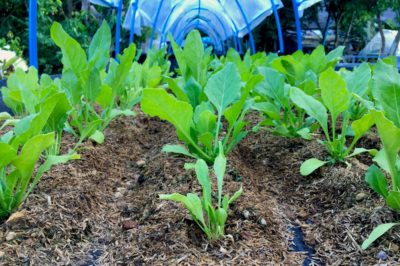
224 21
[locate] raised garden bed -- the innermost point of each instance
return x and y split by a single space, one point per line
104 209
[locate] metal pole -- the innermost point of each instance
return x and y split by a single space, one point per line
33 54
298 25
278 27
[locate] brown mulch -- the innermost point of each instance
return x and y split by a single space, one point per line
104 209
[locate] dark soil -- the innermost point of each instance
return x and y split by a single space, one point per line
104 209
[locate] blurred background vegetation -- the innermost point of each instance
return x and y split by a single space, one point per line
352 24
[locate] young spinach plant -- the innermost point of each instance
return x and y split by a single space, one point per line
335 99
386 91
210 219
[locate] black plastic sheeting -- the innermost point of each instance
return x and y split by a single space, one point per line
299 245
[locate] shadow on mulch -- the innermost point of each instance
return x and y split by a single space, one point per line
104 209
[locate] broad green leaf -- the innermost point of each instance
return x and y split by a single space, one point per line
313 107
335 95
7 154
393 200
176 89
362 125
99 49
105 96
272 86
74 56
318 60
157 102
177 149
380 159
221 216
223 88
390 137
377 180
358 80
194 54
379 231
335 54
179 55
386 90
206 122
310 166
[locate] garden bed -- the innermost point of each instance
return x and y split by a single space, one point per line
104 209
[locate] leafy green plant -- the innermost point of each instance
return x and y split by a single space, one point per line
25 96
209 218
282 117
335 99
199 123
386 90
93 92
21 149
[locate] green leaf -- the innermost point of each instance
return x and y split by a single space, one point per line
204 180
99 49
98 137
335 54
358 151
223 88
377 180
358 80
393 200
219 170
377 233
7 154
177 149
362 125
310 166
157 102
105 96
236 195
194 54
334 92
390 137
386 90
74 56
312 106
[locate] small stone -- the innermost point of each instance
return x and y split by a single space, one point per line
361 196
140 163
382 255
246 214
394 248
2 254
263 222
128 224
11 236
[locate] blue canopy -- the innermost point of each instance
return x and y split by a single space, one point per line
222 20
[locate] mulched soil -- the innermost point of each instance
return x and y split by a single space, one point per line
104 209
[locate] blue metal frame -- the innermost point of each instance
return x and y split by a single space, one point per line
164 33
153 30
212 13
33 54
298 25
133 21
253 47
278 27
219 45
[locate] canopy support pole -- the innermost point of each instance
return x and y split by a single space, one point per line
298 25
153 30
133 21
252 45
278 27
33 54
